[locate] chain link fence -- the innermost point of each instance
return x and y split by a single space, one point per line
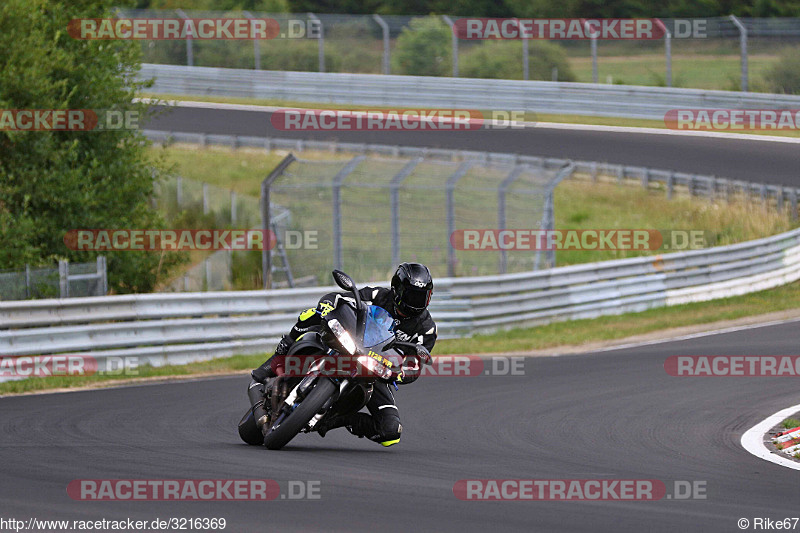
65 281
368 214
704 53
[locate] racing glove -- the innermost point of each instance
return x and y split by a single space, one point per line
411 370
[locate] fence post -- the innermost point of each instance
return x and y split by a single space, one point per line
205 198
266 259
387 66
321 43
256 44
102 274
593 38
743 49
233 207
793 203
207 268
549 206
450 188
338 180
63 278
189 48
501 210
449 22
27 281
394 192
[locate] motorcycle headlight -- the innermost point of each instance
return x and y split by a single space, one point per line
375 367
342 336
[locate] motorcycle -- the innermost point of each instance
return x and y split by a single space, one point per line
355 338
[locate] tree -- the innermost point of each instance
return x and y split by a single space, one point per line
55 181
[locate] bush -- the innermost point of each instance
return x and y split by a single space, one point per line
423 48
784 75
503 60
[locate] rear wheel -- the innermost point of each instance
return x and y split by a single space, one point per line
291 425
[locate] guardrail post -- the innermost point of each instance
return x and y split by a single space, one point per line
266 259
63 278
793 203
743 49
321 43
501 210
646 178
594 171
387 66
394 192
207 269
338 180
189 47
620 174
450 187
670 185
256 44
449 22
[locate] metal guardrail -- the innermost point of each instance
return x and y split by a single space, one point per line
178 328
695 184
625 101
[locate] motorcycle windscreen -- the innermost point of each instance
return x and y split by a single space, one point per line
379 328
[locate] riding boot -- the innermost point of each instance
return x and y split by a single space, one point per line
359 424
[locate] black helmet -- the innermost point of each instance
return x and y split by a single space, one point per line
412 286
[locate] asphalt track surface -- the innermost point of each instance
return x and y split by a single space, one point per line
752 160
609 415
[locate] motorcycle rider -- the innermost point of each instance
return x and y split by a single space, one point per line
407 301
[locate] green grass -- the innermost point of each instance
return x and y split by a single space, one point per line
575 332
790 423
720 72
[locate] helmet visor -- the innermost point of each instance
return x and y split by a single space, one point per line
417 299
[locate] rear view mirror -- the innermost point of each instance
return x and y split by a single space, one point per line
343 280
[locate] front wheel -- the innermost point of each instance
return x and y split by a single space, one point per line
291 426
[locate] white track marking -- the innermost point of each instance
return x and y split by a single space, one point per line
753 438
